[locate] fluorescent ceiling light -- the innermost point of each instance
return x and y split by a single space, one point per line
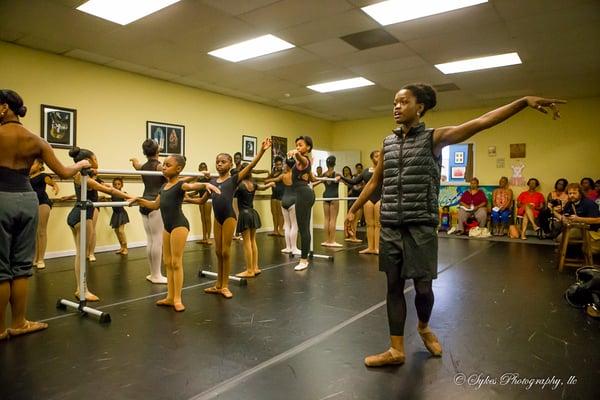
252 48
340 85
123 12
394 11
475 64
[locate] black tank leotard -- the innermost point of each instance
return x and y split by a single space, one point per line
152 183
289 196
170 207
74 216
365 177
331 188
248 218
223 203
38 183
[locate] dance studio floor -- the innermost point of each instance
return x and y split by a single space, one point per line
290 335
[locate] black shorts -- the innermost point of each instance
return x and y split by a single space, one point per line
413 249
18 227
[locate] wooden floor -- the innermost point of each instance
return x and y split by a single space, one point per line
303 335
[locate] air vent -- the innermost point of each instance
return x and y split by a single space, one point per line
369 39
446 87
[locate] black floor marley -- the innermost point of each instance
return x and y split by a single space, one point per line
498 312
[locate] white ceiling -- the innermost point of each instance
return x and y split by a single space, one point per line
558 41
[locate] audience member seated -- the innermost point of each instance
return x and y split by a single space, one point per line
501 202
597 185
549 224
529 204
473 203
558 197
589 189
581 209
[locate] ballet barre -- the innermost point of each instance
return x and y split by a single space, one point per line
140 172
213 275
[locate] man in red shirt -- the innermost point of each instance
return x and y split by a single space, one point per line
473 202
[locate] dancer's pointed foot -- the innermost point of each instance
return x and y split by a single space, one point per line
390 357
245 274
27 327
225 292
166 302
179 307
430 341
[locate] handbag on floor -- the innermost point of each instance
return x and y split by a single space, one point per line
585 292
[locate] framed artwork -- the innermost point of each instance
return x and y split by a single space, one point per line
491 151
249 144
458 172
459 157
59 126
518 150
170 137
278 148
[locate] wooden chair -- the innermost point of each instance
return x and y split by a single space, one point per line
566 240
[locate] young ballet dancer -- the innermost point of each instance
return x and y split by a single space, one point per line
353 191
331 208
176 225
305 197
288 206
39 180
248 222
410 172
205 209
277 194
151 219
371 208
73 219
225 217
119 218
19 210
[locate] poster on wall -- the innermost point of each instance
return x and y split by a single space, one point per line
170 137
249 144
458 172
59 126
517 150
278 148
491 151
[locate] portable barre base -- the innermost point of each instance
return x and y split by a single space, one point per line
209 274
63 304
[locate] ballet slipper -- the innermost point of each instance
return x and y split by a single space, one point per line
325 244
89 296
376 252
245 274
366 251
4 335
335 244
212 290
355 240
118 251
430 341
296 252
257 272
225 292
165 303
124 252
286 251
28 327
40 265
179 307
302 265
92 258
347 239
390 357
158 280
523 237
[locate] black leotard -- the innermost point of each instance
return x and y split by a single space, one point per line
119 216
248 218
152 183
331 188
223 203
170 207
38 183
365 177
74 216
289 196
305 198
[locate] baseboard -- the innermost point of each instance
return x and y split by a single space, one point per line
115 247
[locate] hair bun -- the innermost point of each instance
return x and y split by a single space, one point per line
22 111
74 152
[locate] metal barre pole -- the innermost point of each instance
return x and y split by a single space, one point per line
335 198
210 274
129 172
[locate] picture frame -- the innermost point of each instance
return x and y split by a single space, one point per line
458 172
278 148
170 137
249 147
459 157
59 126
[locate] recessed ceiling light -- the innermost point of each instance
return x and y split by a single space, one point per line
394 11
252 48
344 84
474 64
123 12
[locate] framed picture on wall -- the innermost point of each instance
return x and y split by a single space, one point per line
278 148
458 172
170 137
249 147
59 126
459 157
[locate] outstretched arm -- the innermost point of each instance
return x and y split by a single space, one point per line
137 165
49 157
152 205
190 187
92 184
456 134
263 148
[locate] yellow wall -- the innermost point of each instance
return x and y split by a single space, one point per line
563 148
112 109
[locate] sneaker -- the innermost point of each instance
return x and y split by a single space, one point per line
301 266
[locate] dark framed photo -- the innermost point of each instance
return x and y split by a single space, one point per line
59 126
170 137
278 148
249 144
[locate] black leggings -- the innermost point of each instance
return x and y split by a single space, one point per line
396 304
305 199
